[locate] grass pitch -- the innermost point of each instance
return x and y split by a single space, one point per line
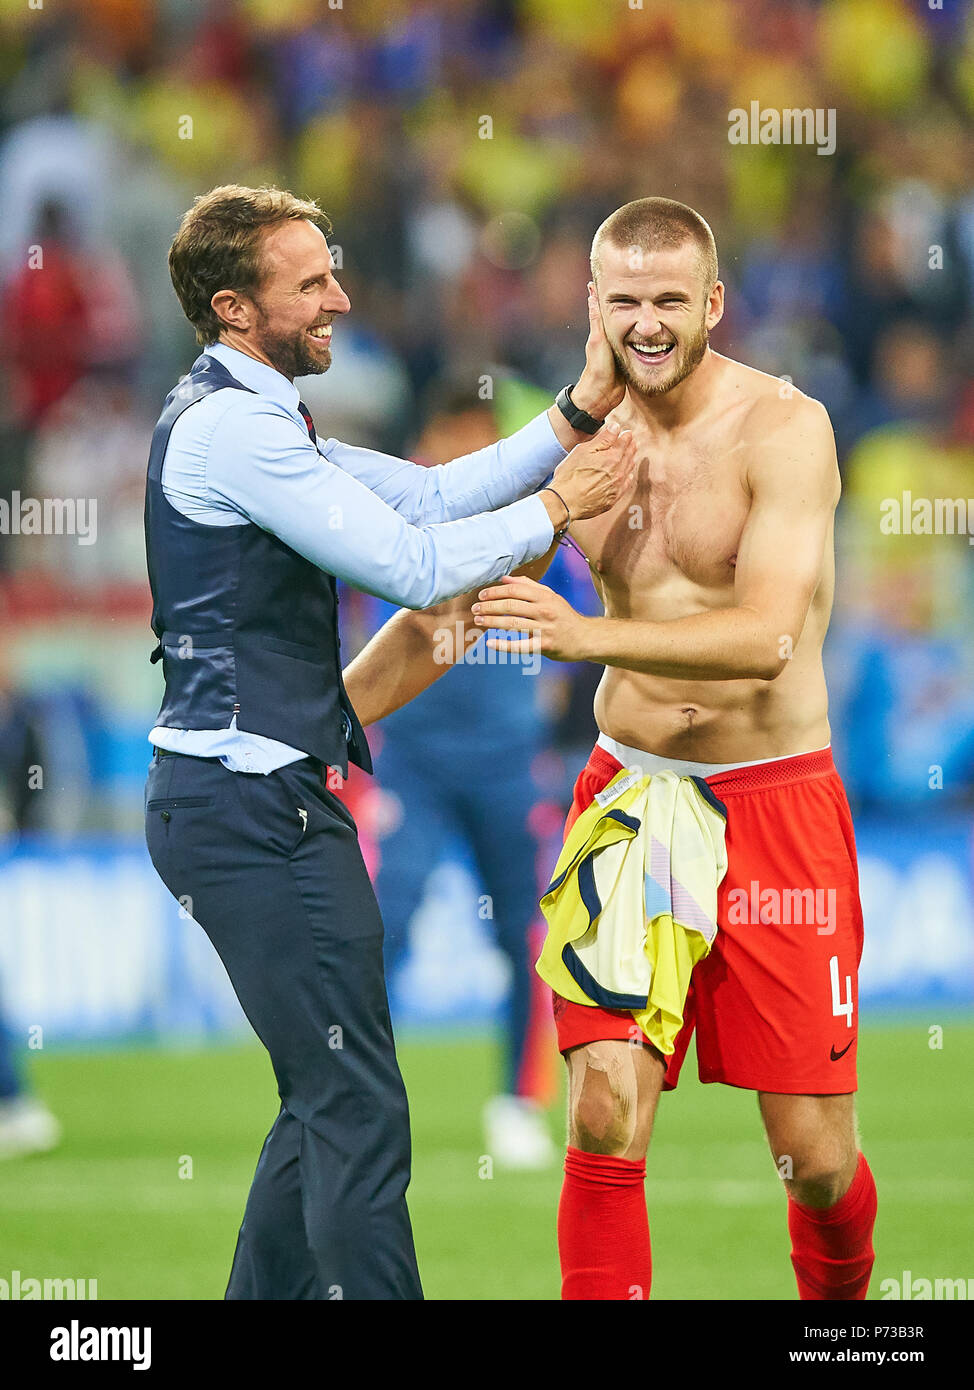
111 1203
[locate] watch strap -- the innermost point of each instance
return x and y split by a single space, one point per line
578 419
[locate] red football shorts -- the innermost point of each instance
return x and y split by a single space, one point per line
775 1003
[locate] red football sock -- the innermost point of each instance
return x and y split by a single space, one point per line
831 1247
603 1228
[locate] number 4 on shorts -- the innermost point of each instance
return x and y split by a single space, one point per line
840 1007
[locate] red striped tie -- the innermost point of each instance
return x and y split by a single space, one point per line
306 417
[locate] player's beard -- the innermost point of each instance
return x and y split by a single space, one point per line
290 353
687 356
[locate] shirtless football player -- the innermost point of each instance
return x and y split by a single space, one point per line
716 574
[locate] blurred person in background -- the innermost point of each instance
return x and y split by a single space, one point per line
45 318
543 344
21 743
913 380
65 310
902 658
26 1124
365 393
894 283
448 761
91 445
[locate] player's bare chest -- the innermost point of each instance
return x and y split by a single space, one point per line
685 514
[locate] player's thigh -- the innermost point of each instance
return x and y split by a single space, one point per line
613 1091
813 1139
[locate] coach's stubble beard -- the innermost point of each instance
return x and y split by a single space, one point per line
291 354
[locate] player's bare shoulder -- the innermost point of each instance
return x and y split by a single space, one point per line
785 431
768 399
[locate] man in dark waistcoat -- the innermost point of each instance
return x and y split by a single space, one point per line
249 518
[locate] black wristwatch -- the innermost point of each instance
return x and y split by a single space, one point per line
578 419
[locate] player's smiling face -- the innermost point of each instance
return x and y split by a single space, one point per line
658 313
298 299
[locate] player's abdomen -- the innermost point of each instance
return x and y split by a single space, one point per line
716 721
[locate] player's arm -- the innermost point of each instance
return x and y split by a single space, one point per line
794 483
414 648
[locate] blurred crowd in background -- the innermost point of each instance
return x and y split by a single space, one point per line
465 151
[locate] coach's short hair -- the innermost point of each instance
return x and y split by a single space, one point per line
653 224
217 246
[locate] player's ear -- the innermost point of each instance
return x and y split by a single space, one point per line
715 305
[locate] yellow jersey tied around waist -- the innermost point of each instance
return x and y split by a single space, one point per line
632 905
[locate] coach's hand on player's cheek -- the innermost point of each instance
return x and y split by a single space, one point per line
601 387
523 605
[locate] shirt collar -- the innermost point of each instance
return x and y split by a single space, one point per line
257 375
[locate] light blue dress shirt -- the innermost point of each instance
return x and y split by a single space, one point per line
414 536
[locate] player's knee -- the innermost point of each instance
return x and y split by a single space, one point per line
604 1109
598 1125
819 1177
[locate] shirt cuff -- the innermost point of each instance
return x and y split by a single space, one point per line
531 529
541 450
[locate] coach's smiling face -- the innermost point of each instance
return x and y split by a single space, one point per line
286 322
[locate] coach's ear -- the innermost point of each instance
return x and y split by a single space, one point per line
234 310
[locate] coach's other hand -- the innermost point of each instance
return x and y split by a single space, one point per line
595 474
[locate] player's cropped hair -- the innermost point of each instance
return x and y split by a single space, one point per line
658 224
217 246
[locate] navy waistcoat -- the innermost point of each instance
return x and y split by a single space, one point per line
245 625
